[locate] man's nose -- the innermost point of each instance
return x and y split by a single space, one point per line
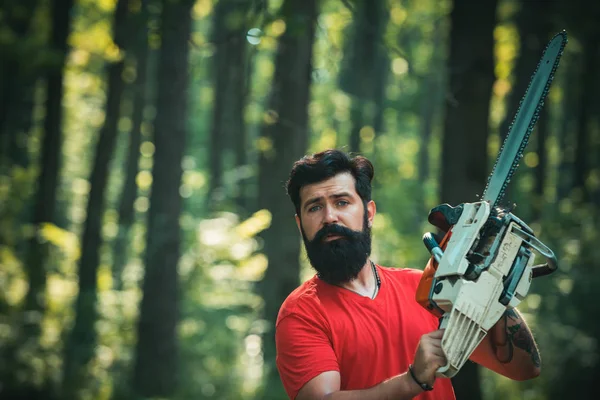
330 215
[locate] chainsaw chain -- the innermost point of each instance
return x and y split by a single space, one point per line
533 121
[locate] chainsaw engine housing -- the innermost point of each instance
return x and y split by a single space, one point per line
483 266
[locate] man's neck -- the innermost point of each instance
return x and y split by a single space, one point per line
365 283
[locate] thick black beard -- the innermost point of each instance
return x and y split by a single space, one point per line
339 260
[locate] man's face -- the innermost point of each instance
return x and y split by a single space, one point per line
336 227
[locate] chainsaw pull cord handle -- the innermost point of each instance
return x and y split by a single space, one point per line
433 246
551 264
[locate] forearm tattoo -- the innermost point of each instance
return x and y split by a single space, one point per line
519 336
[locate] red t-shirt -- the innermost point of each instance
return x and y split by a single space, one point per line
321 327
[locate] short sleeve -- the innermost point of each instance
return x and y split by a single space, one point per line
304 351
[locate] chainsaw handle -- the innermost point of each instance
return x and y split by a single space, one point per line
551 264
544 269
433 246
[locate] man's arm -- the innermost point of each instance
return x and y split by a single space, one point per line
509 349
428 358
327 387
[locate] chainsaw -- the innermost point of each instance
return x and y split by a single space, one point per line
484 264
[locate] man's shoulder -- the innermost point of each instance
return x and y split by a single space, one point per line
402 274
301 300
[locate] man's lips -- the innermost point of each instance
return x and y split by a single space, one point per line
332 236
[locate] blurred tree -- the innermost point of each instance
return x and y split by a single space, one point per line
81 343
228 132
586 114
284 139
138 39
534 26
571 82
431 102
365 69
466 126
49 167
156 354
18 76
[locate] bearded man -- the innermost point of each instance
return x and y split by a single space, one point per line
355 331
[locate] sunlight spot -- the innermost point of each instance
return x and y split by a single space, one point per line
253 268
501 87
328 139
241 250
367 134
201 9
125 124
189 327
264 144
144 180
565 285
258 222
110 229
398 15
80 57
105 281
194 179
142 204
80 186
270 117
407 170
533 301
253 345
106 5
399 66
572 247
188 162
278 27
67 241
531 159
185 191
147 149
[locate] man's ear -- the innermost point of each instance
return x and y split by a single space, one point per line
298 222
371 211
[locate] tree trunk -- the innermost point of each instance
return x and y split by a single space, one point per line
287 139
45 197
17 80
581 170
228 133
430 107
129 190
572 85
155 368
360 77
80 346
466 127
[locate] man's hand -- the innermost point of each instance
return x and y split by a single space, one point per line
429 357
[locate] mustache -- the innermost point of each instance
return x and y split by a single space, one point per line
334 230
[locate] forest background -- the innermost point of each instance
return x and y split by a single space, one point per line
146 241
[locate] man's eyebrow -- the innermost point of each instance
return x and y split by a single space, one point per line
312 201
320 198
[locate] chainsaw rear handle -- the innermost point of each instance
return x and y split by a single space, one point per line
551 264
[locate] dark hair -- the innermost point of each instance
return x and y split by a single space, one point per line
326 164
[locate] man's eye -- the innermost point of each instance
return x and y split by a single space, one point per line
314 208
343 203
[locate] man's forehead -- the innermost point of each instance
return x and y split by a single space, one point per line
342 182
